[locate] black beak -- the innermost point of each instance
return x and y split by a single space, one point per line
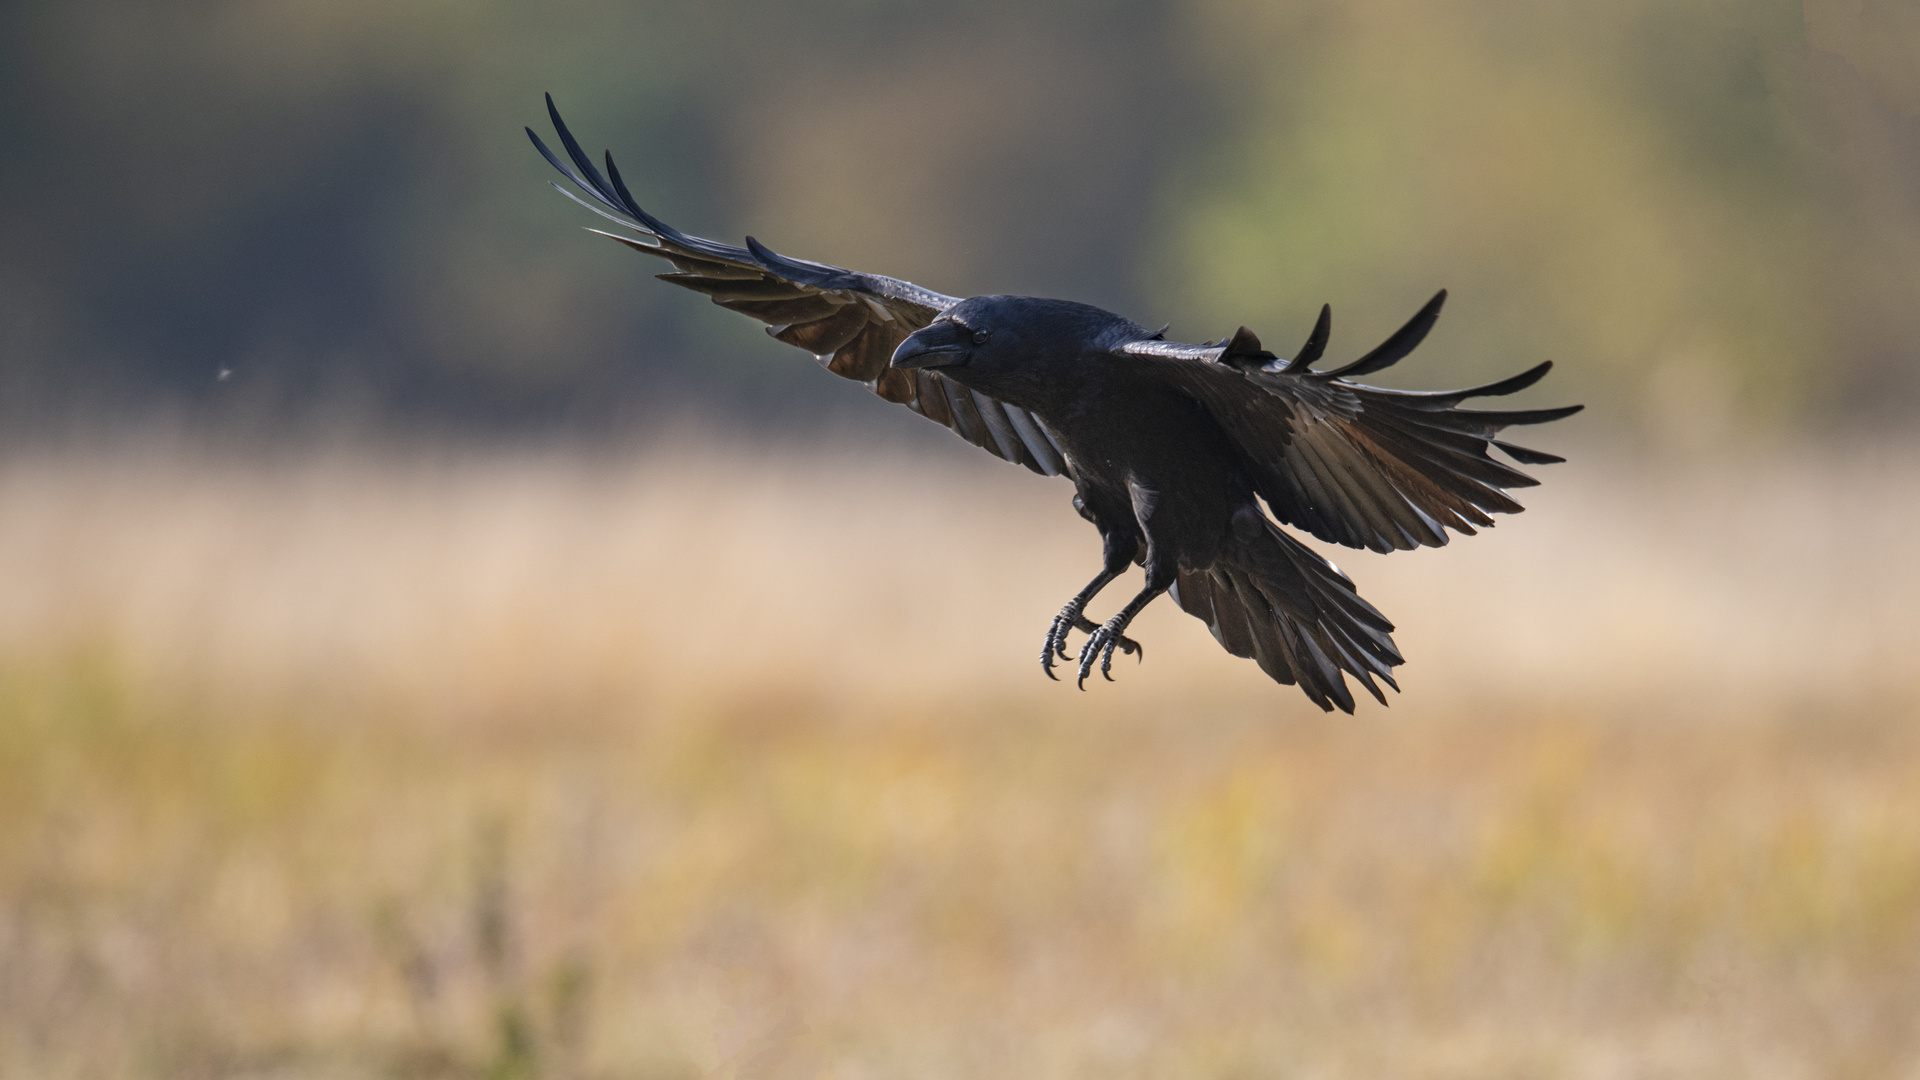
943 344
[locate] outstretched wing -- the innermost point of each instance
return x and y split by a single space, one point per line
1353 464
851 322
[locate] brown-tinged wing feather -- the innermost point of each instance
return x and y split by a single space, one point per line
850 321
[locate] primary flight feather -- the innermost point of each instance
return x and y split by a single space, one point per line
1172 448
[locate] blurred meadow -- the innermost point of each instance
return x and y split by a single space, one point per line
431 648
720 763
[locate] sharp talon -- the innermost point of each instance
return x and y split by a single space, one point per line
1090 652
1056 644
1099 648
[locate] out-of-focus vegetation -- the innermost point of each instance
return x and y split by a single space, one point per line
1707 209
337 200
740 765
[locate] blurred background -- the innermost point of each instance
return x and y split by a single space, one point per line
430 647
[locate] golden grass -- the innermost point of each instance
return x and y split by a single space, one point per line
737 764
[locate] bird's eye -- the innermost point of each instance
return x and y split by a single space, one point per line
980 336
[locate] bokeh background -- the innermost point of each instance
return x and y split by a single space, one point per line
429 647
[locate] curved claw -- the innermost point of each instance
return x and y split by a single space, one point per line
1055 645
1099 645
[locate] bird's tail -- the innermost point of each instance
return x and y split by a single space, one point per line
1293 612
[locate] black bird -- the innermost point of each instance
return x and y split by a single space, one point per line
1171 447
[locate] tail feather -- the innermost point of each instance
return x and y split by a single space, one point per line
1295 614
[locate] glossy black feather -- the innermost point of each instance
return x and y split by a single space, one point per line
1316 345
1395 348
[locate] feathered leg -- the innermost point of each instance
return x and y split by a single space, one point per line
1073 616
1111 635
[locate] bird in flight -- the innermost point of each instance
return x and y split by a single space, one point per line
1172 448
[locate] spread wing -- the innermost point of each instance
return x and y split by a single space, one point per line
851 322
1353 464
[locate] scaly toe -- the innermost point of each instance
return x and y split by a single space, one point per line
1055 645
1047 648
1090 653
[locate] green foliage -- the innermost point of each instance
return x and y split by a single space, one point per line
1648 193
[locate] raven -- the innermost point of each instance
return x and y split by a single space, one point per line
1172 448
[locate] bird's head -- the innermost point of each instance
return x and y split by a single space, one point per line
1003 345
963 336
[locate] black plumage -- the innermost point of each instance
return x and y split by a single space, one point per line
1172 448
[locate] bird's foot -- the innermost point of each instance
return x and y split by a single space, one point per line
1069 620
1056 643
1100 645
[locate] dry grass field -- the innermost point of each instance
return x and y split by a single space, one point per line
738 764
